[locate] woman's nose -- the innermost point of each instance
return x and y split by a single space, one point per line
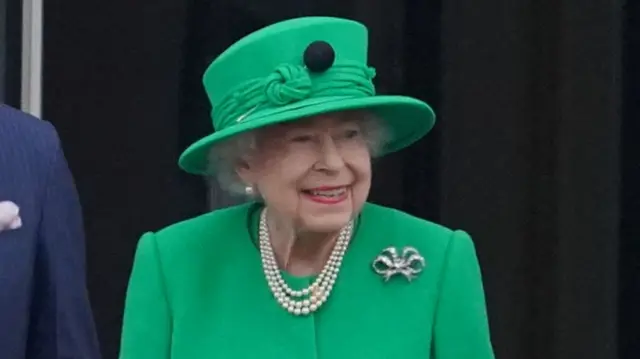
330 156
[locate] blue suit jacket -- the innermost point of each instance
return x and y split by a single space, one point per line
44 307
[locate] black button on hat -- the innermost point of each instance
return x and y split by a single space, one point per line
319 56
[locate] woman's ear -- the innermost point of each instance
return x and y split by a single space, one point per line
245 171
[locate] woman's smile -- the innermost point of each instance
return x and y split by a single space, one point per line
326 195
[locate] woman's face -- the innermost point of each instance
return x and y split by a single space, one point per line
314 173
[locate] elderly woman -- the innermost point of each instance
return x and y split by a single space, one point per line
306 268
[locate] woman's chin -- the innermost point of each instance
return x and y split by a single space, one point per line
327 223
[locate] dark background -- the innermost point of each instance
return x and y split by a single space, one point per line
10 47
534 151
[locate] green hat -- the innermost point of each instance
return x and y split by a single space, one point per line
296 69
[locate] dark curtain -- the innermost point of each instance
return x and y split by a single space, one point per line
629 311
10 51
526 154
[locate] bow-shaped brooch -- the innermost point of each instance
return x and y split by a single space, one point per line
389 263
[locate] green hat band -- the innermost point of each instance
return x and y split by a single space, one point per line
292 83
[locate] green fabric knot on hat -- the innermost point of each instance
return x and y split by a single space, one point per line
288 83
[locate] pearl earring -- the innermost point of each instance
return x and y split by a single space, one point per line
249 191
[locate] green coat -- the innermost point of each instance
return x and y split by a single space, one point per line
197 291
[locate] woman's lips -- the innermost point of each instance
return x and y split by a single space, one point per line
327 195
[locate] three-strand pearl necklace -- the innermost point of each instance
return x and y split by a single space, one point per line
307 300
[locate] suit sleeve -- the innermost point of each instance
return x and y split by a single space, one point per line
146 332
461 326
61 324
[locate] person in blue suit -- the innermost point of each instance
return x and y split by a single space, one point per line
44 306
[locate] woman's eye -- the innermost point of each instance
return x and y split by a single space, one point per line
301 138
351 133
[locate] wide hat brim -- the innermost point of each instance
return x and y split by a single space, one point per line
407 119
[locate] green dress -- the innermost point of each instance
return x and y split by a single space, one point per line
197 291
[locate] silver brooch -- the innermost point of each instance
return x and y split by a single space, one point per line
389 263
